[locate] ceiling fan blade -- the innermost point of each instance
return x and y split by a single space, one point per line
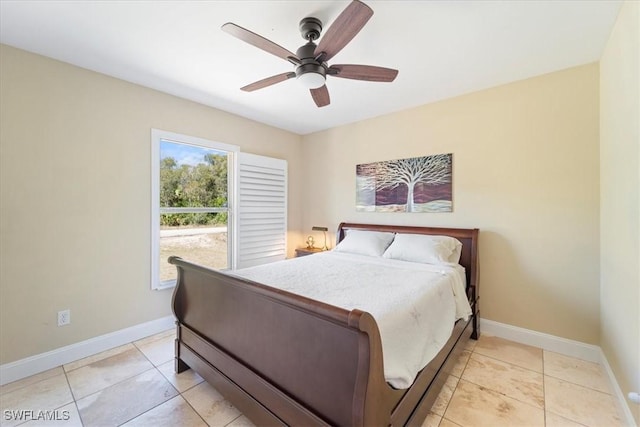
344 28
268 81
363 72
320 96
258 41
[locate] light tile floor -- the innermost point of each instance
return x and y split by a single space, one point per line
495 383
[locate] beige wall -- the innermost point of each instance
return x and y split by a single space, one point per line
620 200
525 173
75 197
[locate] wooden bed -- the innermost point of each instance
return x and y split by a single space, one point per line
283 359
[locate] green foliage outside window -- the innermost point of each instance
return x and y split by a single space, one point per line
202 185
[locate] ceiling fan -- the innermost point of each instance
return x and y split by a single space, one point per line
310 60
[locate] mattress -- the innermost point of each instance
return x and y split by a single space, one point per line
415 305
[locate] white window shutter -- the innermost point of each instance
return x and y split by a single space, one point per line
261 217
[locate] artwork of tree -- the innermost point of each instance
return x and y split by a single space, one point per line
418 184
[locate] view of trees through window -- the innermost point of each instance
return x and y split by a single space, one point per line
200 185
193 206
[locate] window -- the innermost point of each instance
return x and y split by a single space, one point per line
192 203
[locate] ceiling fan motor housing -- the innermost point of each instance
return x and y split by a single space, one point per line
308 60
309 64
310 28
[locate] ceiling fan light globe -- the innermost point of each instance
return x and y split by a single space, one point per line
311 80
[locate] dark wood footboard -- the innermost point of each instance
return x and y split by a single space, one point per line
283 359
274 345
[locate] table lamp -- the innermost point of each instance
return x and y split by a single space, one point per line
324 230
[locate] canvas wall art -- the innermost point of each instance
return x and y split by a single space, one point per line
417 184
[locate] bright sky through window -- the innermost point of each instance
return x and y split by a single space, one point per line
185 154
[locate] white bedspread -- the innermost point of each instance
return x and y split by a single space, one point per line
415 305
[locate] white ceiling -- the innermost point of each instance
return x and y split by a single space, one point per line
442 49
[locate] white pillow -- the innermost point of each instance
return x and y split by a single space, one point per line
456 251
425 249
371 243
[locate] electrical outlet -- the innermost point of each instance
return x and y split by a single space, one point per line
64 317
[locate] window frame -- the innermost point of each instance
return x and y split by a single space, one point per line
157 136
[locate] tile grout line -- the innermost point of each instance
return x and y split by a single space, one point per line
458 384
451 398
152 408
233 420
97 360
154 367
75 402
504 394
546 375
3 393
572 382
559 379
180 393
516 366
111 385
512 364
580 385
456 387
191 406
447 406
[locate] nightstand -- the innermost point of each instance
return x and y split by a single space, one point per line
307 251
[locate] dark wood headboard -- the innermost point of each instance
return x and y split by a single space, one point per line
467 236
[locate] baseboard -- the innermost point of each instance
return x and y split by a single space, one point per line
577 349
621 399
548 342
23 368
